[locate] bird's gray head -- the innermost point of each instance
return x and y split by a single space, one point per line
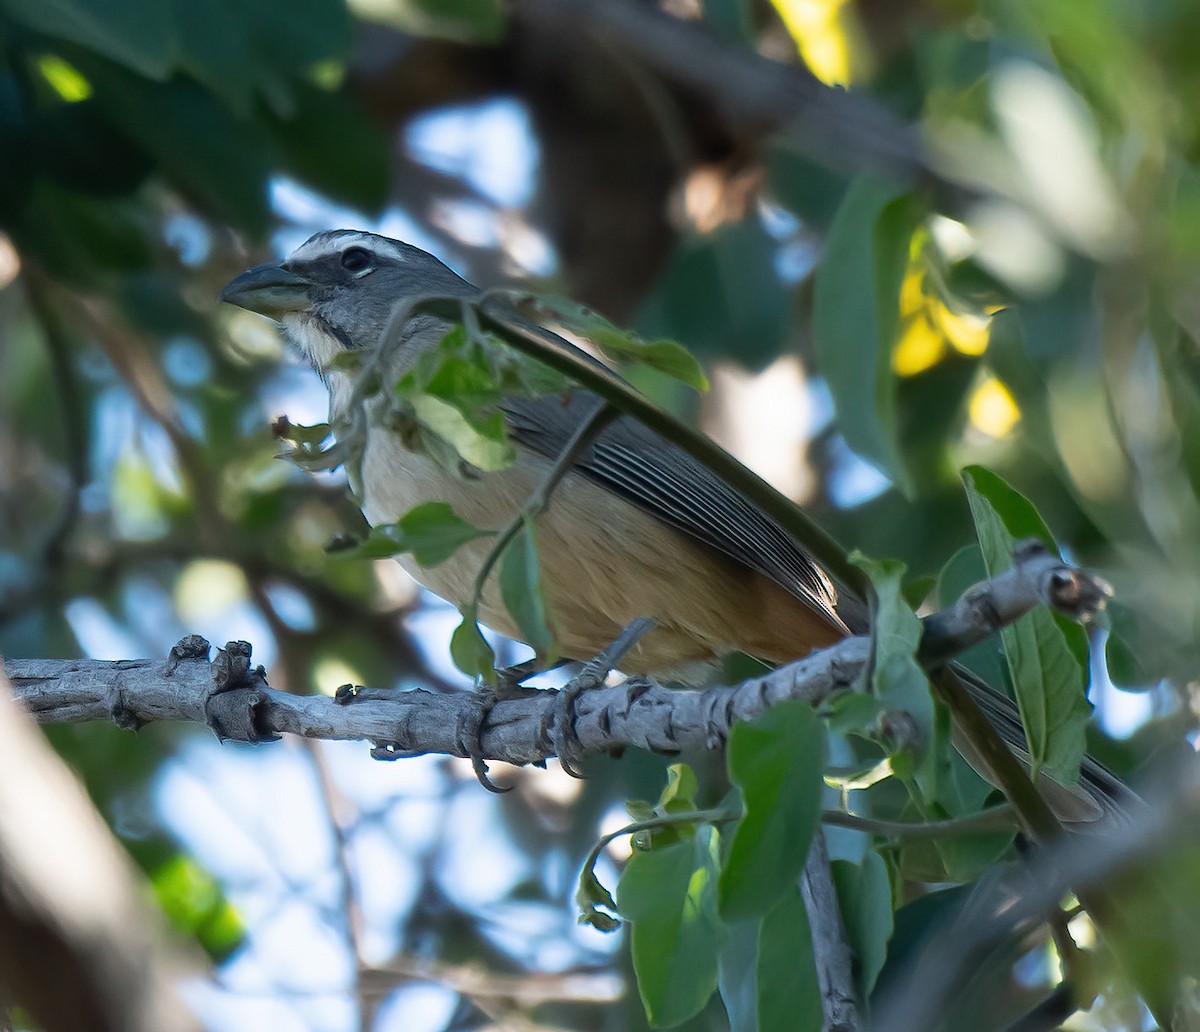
339 289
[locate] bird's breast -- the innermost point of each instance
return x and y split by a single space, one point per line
603 561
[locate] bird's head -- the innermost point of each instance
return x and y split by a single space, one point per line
339 290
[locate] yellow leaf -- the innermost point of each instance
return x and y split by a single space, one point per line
920 346
992 408
827 36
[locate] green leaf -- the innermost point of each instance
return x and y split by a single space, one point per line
865 894
464 21
679 796
455 392
522 592
589 897
767 972
208 154
856 305
722 294
470 651
352 163
666 356
669 897
961 571
431 532
140 36
1043 653
480 440
776 761
897 679
193 901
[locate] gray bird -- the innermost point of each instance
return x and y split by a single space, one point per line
638 528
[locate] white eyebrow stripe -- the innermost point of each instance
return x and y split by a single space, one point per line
322 245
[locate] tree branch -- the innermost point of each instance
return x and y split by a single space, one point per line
237 703
835 967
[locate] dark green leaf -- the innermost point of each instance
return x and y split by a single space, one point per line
218 161
767 971
776 761
722 296
856 305
917 589
522 592
465 21
215 47
352 163
1042 652
962 570
140 36
865 894
669 897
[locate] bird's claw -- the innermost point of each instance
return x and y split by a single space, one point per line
469 733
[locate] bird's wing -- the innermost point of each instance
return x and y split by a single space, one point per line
665 481
662 479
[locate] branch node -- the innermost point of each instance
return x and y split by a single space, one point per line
1077 593
122 715
978 599
233 707
190 646
1028 549
899 730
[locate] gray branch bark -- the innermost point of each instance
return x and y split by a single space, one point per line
236 701
835 963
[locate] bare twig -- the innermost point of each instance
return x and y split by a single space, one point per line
835 970
836 129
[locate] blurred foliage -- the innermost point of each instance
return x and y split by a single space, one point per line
1030 307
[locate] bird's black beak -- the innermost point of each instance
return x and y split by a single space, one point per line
269 290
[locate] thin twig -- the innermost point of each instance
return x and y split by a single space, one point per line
831 949
539 498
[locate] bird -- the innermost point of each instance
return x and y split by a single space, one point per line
637 529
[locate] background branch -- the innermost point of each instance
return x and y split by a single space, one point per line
80 949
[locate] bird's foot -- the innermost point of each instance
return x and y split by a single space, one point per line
558 726
468 735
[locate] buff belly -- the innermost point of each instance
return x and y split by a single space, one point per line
604 563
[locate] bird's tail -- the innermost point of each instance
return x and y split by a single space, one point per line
1098 796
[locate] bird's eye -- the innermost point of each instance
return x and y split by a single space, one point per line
355 259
